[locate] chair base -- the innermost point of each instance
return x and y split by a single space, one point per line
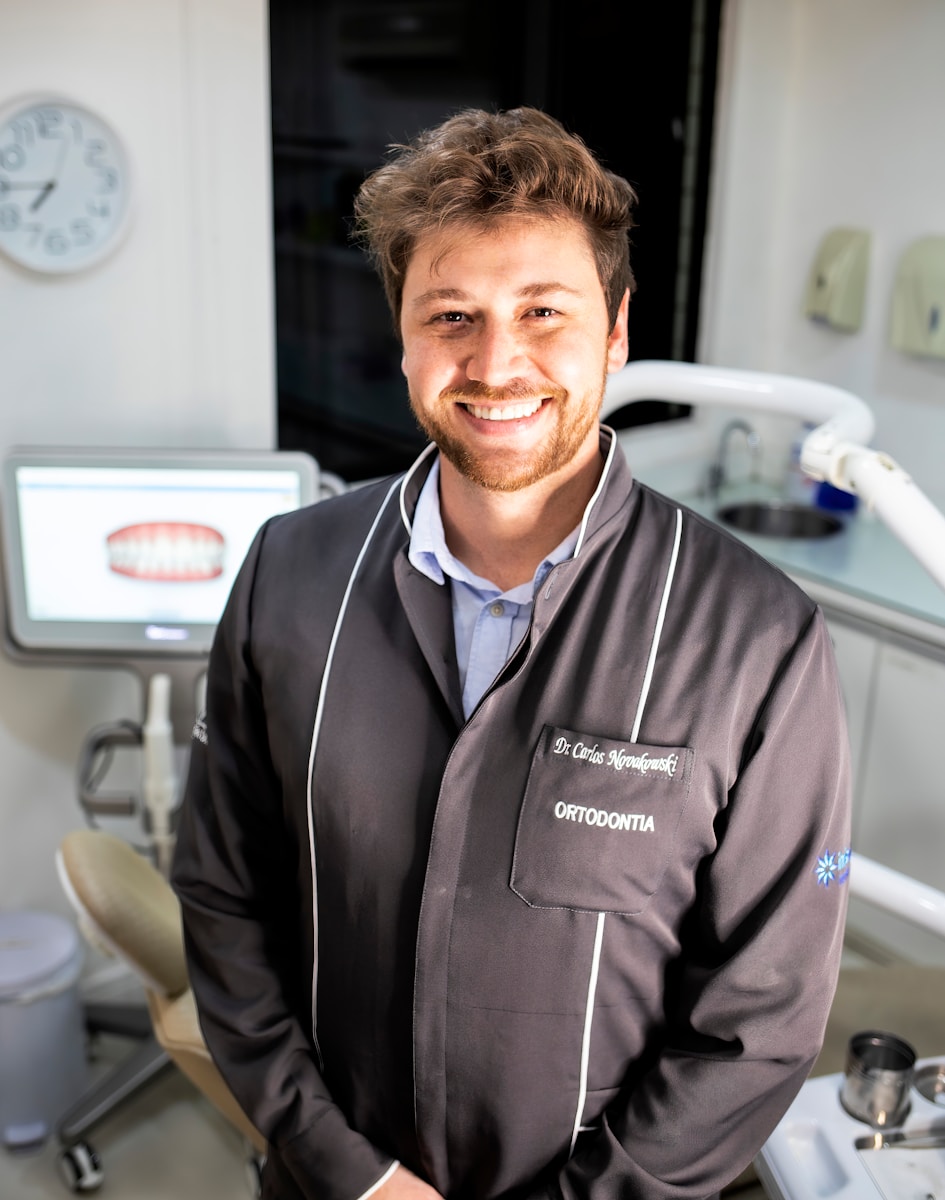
145 1062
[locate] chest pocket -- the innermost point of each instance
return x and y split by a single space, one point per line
598 821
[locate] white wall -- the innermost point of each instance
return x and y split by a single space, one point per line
168 342
830 114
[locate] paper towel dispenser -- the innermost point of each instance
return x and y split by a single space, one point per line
918 307
836 286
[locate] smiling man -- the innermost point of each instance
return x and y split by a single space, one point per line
512 858
506 371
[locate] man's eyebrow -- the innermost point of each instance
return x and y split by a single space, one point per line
443 293
531 291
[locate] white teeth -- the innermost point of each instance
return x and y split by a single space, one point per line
506 412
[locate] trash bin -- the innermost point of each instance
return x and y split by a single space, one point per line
42 1034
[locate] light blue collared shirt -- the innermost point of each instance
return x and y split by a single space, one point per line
487 624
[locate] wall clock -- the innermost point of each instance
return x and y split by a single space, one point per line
64 185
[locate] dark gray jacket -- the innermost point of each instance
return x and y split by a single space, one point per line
582 944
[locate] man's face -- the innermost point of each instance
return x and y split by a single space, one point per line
507 346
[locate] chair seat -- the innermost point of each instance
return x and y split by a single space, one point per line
179 1024
177 1029
131 909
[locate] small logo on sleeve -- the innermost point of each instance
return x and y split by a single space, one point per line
833 867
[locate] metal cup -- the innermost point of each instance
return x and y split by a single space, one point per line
877 1079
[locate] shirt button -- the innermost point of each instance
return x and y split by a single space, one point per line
497 609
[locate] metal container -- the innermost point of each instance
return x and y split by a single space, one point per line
930 1082
878 1076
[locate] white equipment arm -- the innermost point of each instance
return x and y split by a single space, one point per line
160 784
899 894
835 451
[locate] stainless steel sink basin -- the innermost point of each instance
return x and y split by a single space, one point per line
779 520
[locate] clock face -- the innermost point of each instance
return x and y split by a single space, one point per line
64 186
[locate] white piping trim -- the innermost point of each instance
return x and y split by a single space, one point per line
316 730
380 1183
588 1021
597 491
667 588
428 450
601 917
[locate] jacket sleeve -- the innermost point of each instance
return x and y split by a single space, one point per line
747 1009
235 875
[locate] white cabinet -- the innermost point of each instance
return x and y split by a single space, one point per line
895 695
856 654
901 797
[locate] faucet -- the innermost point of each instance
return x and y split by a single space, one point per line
717 470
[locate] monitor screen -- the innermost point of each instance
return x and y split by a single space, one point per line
134 553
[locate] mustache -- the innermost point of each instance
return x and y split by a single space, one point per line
515 391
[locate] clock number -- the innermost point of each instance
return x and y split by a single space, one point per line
109 178
94 149
49 121
9 216
82 232
56 242
12 158
99 208
23 131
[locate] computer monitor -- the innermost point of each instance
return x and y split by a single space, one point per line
131 554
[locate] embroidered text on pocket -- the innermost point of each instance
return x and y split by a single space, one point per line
598 821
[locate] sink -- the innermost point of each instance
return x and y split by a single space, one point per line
779 520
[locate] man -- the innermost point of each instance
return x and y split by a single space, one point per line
499 865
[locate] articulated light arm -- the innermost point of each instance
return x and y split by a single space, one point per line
835 450
840 414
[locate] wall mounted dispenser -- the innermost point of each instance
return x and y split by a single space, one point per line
918 307
836 286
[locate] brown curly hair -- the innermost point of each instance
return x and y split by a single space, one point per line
478 167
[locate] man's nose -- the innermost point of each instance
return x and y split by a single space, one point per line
496 356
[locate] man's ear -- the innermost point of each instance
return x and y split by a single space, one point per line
618 343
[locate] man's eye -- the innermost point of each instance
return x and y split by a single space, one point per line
450 318
544 312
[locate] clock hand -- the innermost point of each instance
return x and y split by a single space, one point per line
60 159
6 186
43 195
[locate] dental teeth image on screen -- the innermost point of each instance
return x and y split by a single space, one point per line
168 551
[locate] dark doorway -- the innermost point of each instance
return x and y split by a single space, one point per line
350 77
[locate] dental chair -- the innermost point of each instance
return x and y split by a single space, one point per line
127 908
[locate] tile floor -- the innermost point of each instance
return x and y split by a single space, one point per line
165 1143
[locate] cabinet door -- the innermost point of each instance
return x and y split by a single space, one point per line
901 797
856 654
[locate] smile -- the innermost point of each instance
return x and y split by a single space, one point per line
504 412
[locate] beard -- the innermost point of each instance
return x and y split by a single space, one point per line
499 470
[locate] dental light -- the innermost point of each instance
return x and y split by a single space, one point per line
834 451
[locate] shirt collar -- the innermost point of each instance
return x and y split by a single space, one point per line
430 555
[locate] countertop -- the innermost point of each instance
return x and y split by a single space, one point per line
818 1150
863 570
